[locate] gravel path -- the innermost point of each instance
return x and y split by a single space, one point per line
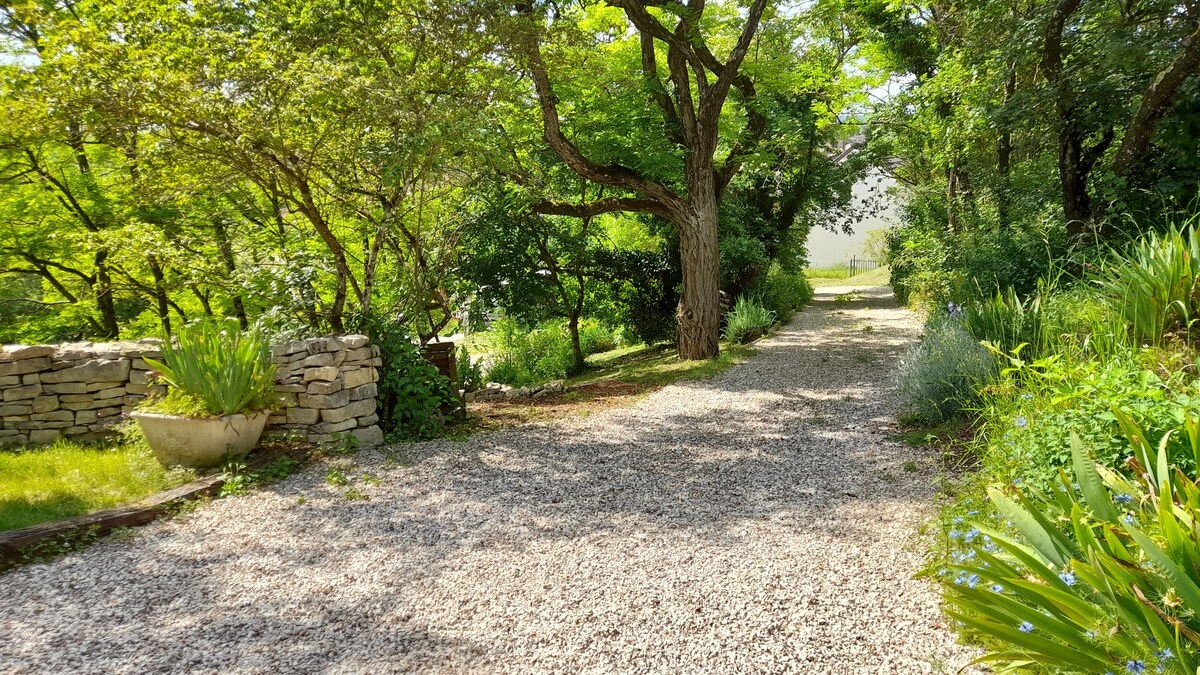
759 521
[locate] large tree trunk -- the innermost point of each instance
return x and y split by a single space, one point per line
1004 152
699 313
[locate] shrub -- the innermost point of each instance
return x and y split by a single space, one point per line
784 293
1035 406
525 357
595 337
414 398
1100 577
939 377
470 373
748 320
215 369
1157 284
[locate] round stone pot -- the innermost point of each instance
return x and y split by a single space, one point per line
201 443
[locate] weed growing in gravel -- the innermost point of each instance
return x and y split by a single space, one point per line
239 481
336 476
355 494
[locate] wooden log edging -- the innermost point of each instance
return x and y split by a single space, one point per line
17 545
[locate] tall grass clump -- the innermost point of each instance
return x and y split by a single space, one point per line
1005 320
942 374
215 369
1156 283
748 320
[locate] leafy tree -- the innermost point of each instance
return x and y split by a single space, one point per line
691 113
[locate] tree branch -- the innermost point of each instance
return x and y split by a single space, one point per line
610 174
1157 98
595 208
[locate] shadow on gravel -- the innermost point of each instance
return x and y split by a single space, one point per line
783 448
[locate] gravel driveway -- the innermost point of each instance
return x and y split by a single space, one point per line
760 521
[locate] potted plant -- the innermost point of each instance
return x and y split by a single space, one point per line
221 389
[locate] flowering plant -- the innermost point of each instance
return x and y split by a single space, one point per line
1101 577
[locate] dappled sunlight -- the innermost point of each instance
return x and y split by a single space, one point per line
782 458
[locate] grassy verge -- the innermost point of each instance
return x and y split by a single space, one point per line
615 378
839 276
68 479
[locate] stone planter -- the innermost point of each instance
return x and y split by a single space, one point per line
201 443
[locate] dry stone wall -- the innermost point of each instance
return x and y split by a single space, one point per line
328 387
81 391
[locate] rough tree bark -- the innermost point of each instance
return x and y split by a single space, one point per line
691 122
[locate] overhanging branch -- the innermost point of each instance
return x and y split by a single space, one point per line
609 205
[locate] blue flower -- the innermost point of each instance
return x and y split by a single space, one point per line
1022 422
1123 499
997 588
1027 396
1025 627
973 581
957 520
970 535
1067 578
1135 666
954 534
1164 654
1129 518
973 512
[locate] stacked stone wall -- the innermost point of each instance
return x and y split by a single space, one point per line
328 387
81 391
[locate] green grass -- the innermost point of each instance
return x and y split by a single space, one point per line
657 366
838 276
68 479
831 272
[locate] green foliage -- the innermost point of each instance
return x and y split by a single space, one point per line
748 320
595 337
1157 284
470 372
1028 416
1005 321
525 357
1098 576
783 292
932 266
941 375
218 369
414 398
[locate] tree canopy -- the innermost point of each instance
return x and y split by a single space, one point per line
307 166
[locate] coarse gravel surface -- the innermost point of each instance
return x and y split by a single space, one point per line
758 521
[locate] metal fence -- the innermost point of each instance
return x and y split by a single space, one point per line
862 265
